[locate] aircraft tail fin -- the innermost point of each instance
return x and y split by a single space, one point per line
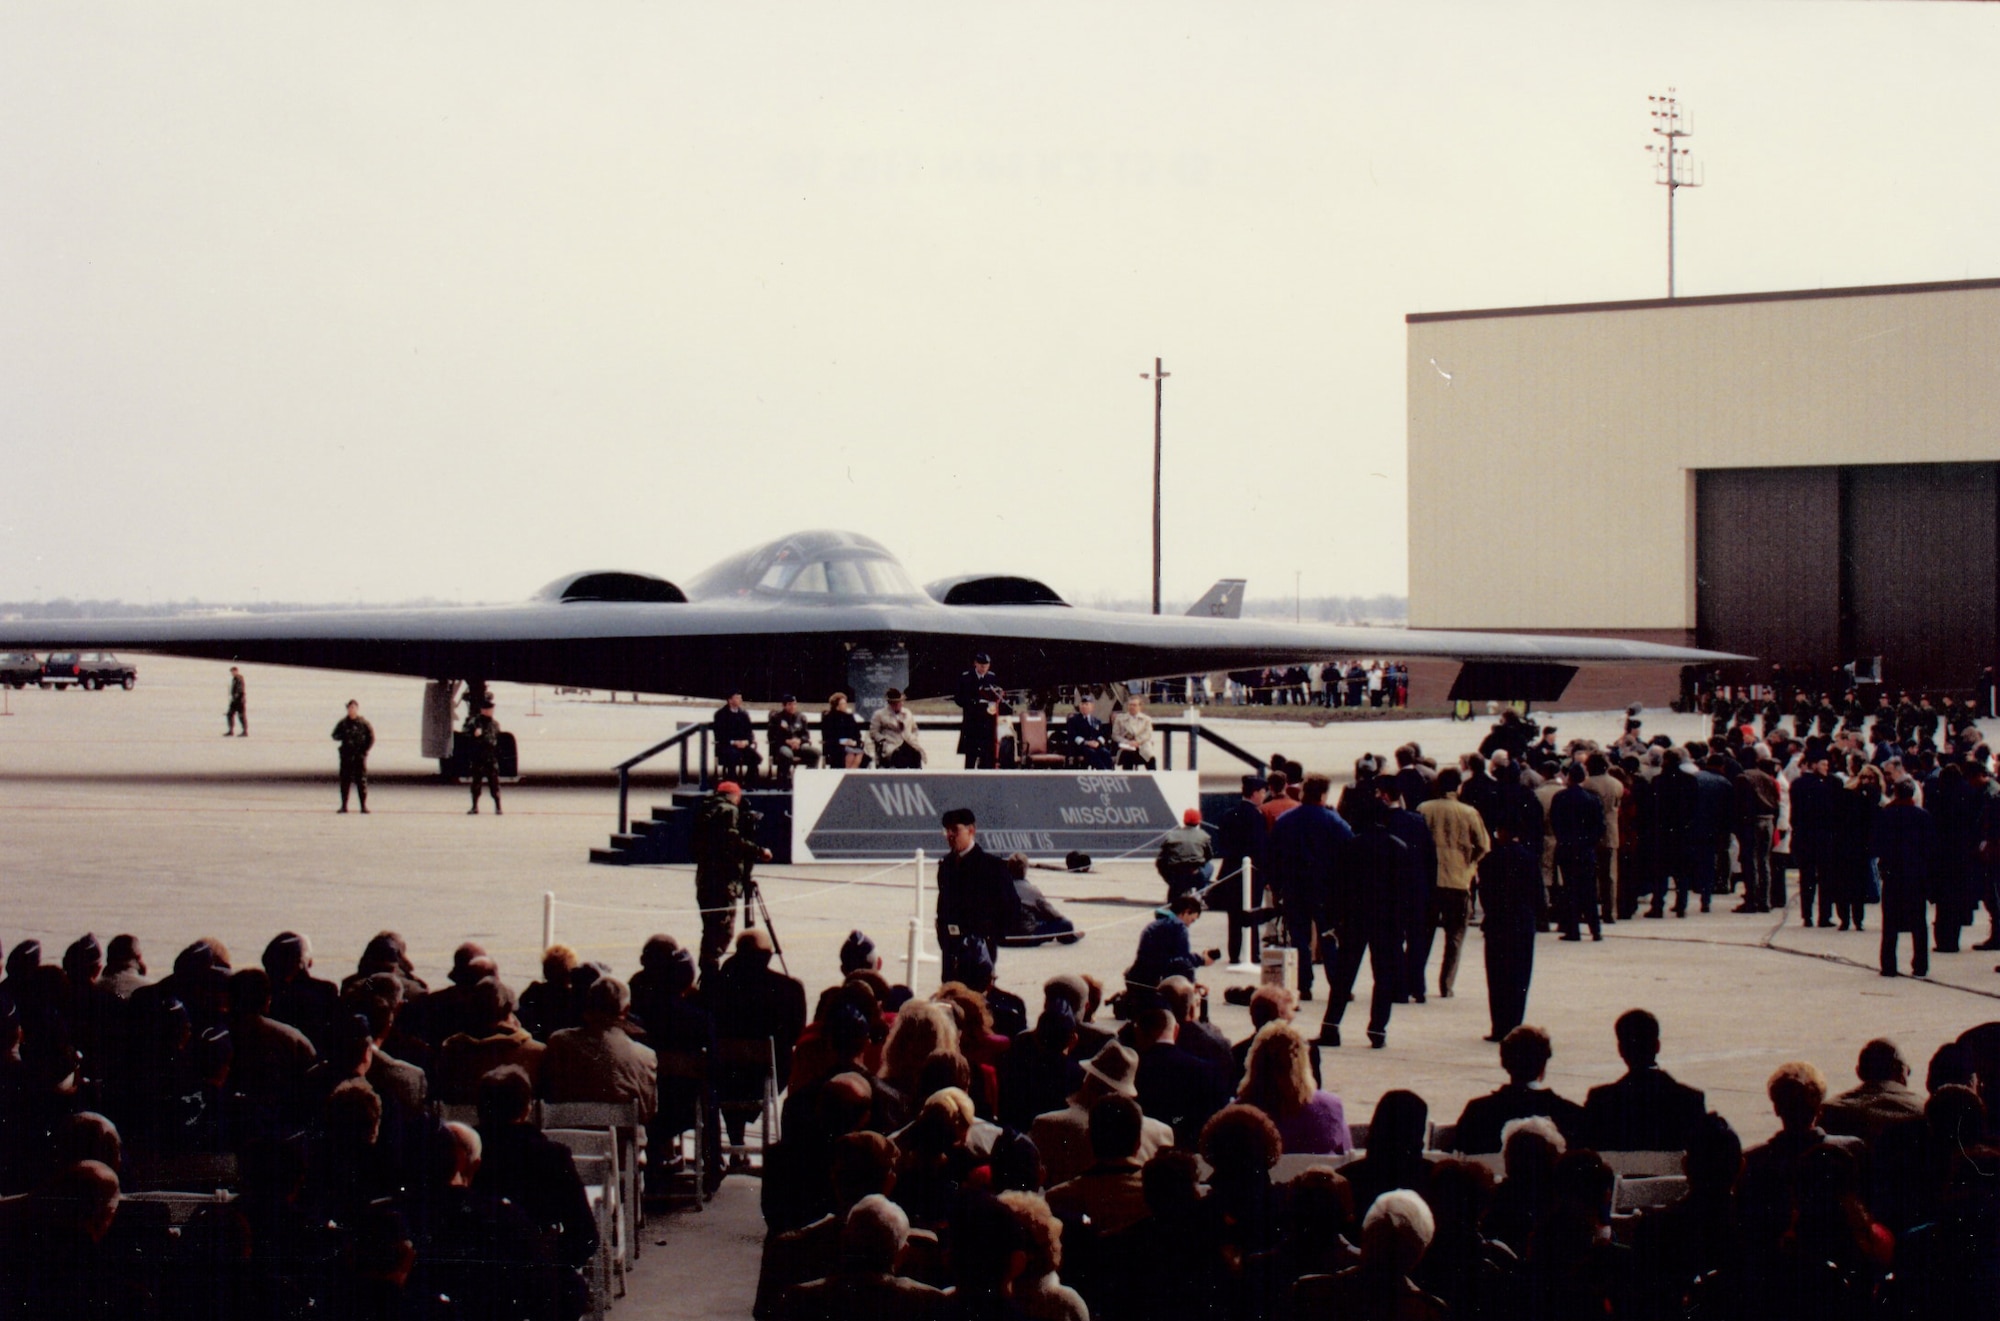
1222 601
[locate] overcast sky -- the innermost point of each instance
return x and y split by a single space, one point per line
318 302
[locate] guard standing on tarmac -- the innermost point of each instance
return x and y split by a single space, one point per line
355 737
723 853
482 761
239 709
980 696
974 894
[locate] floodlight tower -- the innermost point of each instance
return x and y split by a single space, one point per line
1671 167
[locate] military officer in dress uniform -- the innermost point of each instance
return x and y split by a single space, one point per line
1089 742
979 695
482 732
355 737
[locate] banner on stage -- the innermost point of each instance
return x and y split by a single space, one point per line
880 816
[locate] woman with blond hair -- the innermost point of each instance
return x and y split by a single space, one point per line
977 1041
921 1027
1277 1079
1039 1292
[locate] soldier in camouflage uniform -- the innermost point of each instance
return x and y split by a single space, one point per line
723 854
482 732
239 708
355 737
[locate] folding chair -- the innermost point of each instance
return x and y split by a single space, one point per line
1292 1166
181 1207
685 1174
1358 1136
739 1061
1643 1164
602 1143
1632 1196
184 1172
600 1186
622 1119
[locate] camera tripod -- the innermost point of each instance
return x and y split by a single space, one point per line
755 907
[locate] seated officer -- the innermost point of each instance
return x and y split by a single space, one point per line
736 741
1089 740
790 734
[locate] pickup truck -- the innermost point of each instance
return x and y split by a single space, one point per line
86 669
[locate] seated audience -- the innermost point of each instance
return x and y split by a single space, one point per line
1063 1136
1109 1192
599 1061
1279 1082
493 1038
1176 1086
1646 1110
1883 1099
1395 1149
864 1283
551 1004
1038 1291
308 1003
1271 1004
1395 1234
1530 1147
1037 1073
1524 1054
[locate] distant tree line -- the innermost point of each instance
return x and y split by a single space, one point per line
1382 609
69 608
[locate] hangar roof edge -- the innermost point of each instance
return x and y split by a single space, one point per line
1705 300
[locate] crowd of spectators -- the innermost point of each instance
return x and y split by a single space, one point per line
934 1166
1353 684
321 1105
1852 820
963 1154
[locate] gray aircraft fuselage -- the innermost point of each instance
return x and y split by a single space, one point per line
787 617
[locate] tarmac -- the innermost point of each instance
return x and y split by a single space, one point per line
129 812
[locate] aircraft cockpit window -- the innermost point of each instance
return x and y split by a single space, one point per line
843 578
852 577
886 578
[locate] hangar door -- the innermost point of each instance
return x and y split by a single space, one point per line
1822 565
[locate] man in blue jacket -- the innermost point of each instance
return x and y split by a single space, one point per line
1304 850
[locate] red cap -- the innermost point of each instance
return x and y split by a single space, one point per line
1191 817
729 787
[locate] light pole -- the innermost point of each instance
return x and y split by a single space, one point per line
1158 377
1671 167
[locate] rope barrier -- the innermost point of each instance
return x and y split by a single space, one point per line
831 885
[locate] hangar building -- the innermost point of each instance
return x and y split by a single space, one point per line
1809 477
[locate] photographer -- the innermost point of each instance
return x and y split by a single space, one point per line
724 851
1165 950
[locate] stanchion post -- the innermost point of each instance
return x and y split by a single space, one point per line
915 950
548 918
1249 890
